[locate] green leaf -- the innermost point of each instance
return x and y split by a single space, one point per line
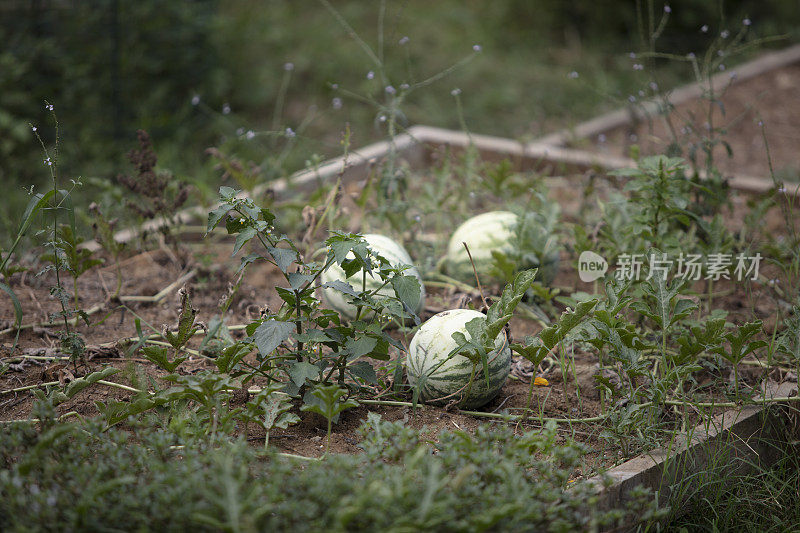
231 356
15 302
216 215
160 356
284 257
243 238
298 280
301 371
407 290
364 371
341 286
75 386
501 311
186 320
360 347
270 334
329 401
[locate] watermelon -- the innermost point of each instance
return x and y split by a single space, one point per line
441 379
394 253
495 231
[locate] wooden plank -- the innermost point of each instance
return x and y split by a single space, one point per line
738 441
525 156
621 117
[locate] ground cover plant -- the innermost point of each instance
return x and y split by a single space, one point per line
216 386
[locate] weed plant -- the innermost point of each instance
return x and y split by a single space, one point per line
493 479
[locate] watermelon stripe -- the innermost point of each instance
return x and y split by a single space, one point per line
442 379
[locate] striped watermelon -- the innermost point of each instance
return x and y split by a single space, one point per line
388 248
483 234
442 380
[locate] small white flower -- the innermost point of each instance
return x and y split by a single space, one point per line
404 86
704 28
641 93
390 90
632 55
631 99
290 132
691 55
638 66
49 107
336 103
724 34
476 48
48 162
334 86
33 129
455 92
722 67
241 220
733 75
370 75
239 131
653 86
747 22
288 67
667 9
760 123
196 100
403 40
226 108
573 75
417 218
782 189
250 134
382 118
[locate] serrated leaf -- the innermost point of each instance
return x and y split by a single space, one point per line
407 290
341 286
501 311
283 257
270 334
298 280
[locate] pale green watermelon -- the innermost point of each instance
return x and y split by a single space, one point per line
484 233
388 248
442 380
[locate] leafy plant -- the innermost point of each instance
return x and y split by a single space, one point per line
71 256
177 341
741 343
270 409
328 402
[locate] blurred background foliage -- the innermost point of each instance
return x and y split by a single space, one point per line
202 73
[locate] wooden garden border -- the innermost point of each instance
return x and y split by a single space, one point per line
625 116
738 441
